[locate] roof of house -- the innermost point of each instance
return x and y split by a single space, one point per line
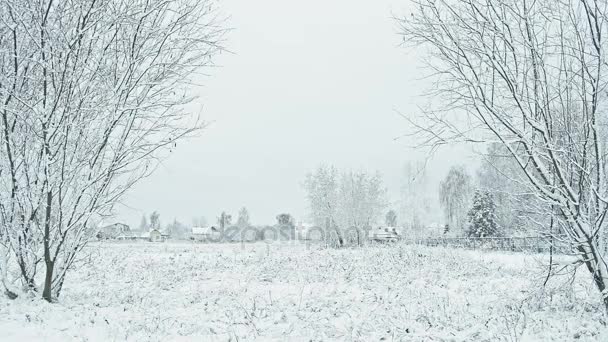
115 225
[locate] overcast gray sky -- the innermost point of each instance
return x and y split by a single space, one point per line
309 82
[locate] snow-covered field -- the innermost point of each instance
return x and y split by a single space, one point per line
202 292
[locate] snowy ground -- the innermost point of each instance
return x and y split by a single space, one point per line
203 292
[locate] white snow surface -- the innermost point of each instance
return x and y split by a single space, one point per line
291 291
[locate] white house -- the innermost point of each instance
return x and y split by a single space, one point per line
204 233
114 231
155 236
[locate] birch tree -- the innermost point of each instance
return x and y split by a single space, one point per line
352 201
92 93
532 76
362 199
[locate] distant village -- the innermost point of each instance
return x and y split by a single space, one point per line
225 230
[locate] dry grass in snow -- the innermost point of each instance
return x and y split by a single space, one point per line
202 292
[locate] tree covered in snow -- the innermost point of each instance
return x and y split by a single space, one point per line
482 216
92 95
322 194
285 219
143 224
361 202
154 221
517 210
286 226
455 196
361 199
200 221
391 218
177 230
224 220
531 76
353 201
243 219
417 208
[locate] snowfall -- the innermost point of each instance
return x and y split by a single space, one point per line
305 292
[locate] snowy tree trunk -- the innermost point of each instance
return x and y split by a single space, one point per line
596 265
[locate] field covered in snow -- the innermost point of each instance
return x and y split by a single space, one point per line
220 292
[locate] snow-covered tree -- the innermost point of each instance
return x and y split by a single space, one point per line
200 221
92 94
361 199
177 230
286 226
417 208
482 216
532 76
154 220
353 201
517 210
322 194
143 224
376 199
285 219
225 220
455 195
243 219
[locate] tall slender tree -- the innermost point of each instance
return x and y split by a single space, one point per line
455 193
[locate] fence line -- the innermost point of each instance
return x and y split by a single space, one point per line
535 244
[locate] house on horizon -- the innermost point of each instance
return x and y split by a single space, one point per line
155 236
114 232
385 234
204 233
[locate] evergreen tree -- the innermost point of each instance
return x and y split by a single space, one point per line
482 216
